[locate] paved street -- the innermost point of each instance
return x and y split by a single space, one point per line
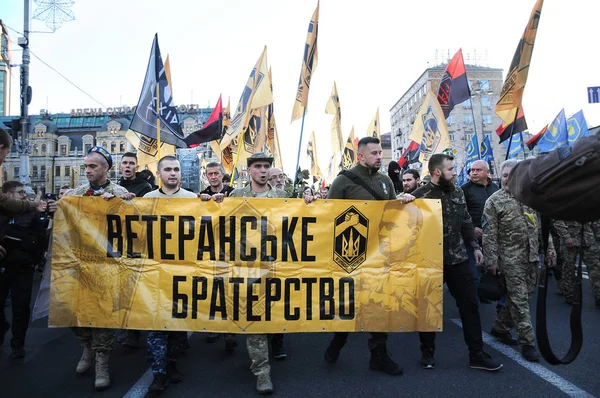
49 367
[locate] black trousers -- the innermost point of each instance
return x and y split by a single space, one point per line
20 283
462 286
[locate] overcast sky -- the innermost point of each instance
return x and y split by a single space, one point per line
374 51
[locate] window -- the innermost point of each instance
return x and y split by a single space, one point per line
468 104
451 137
487 119
488 135
35 150
34 171
483 85
82 171
16 173
104 144
468 137
486 101
43 172
122 147
86 148
67 171
113 147
63 150
57 171
43 149
468 118
451 119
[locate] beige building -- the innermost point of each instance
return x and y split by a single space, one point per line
4 71
58 143
474 116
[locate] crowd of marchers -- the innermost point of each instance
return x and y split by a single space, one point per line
485 230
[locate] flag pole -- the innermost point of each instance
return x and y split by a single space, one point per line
298 157
237 157
157 121
512 129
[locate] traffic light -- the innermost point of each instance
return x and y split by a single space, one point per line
14 126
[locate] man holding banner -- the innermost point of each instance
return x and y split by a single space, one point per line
97 342
259 164
458 232
365 182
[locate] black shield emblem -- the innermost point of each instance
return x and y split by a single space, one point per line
350 243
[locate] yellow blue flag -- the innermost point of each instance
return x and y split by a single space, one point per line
517 145
576 127
556 134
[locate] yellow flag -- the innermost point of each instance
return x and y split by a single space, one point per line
373 130
349 155
514 85
309 64
333 108
253 139
256 93
430 129
272 145
168 73
311 152
146 147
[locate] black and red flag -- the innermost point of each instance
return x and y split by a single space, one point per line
534 140
212 129
454 86
410 155
520 125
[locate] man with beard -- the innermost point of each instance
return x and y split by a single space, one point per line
411 180
365 182
258 344
97 342
163 346
277 178
458 232
139 187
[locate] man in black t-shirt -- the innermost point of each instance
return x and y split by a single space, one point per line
215 173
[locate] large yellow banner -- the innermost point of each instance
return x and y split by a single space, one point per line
247 265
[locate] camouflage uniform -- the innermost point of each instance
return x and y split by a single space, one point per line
101 340
591 255
163 348
572 230
458 230
512 241
258 344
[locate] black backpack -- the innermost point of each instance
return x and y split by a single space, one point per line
563 184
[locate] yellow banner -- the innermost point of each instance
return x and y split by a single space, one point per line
247 265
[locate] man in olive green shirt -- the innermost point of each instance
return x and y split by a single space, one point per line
258 344
365 182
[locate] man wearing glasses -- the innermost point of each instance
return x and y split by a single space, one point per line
277 178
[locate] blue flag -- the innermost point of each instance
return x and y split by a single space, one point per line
576 127
486 150
516 146
556 134
472 151
463 177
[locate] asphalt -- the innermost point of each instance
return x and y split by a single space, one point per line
48 370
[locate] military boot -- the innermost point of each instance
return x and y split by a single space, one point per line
263 384
86 359
102 377
333 351
380 360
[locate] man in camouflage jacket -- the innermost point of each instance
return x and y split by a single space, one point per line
512 242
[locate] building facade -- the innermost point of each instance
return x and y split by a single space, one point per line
5 62
57 144
473 117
